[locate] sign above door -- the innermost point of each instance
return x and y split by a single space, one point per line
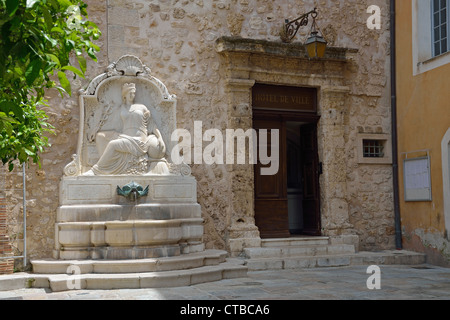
284 98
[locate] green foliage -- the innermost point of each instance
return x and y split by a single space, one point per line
38 41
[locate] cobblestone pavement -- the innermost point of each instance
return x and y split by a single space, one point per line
418 282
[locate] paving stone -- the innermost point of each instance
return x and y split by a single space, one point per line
398 282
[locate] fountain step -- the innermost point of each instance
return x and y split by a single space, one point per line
182 262
230 269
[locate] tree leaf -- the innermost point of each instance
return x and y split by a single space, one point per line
6 123
65 83
54 4
65 4
12 6
82 63
70 44
32 71
91 54
4 107
61 91
54 59
31 3
52 41
74 70
9 106
47 18
29 152
57 29
4 118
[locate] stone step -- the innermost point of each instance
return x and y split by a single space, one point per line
292 251
187 261
394 257
161 279
294 241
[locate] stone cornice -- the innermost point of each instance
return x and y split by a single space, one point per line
276 48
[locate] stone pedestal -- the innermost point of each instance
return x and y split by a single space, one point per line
94 222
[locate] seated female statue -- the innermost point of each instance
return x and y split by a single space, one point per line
139 149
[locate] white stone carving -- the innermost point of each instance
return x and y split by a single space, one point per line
72 169
103 121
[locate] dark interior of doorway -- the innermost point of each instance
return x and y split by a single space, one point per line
302 170
294 177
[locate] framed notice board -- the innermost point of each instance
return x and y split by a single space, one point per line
417 179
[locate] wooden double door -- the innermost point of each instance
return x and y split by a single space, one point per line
288 202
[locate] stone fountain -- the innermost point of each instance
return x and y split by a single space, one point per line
127 119
128 215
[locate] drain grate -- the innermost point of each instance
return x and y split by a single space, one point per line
422 268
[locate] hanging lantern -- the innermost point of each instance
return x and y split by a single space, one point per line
315 45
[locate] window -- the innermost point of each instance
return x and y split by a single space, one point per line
430 34
440 26
373 148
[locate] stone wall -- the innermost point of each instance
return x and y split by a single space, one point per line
177 40
6 265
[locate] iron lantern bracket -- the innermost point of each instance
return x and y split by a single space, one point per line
291 27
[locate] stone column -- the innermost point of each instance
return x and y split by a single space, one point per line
332 139
242 231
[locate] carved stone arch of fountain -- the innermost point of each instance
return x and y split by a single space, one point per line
101 100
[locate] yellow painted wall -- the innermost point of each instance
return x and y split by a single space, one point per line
423 111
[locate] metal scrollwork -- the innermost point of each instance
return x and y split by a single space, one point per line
291 27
